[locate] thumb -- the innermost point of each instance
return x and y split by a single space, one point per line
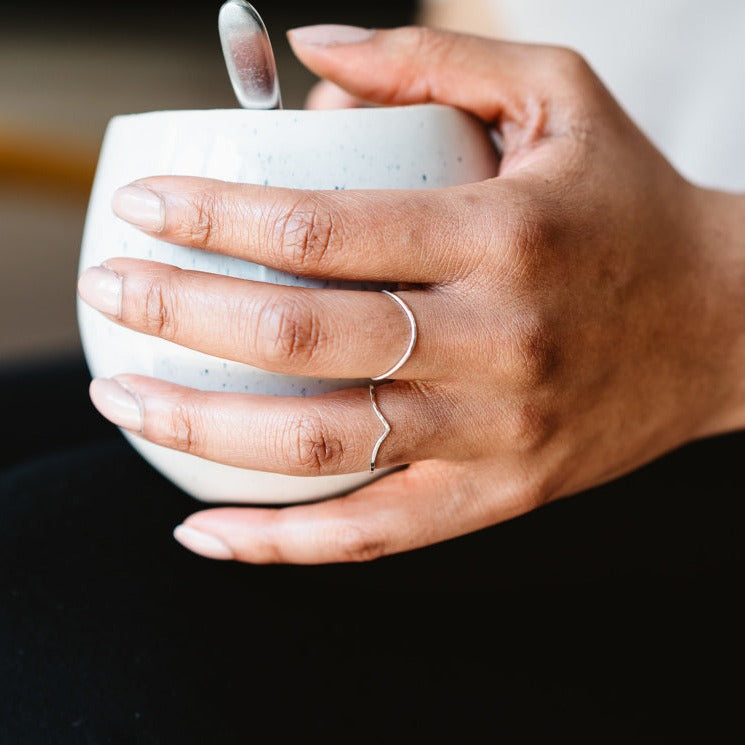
495 80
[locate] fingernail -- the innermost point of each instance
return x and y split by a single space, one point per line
116 403
140 206
101 289
330 35
204 544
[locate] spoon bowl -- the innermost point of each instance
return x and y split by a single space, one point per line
248 56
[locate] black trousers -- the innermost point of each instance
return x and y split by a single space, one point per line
609 617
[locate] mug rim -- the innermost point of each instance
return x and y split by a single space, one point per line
418 108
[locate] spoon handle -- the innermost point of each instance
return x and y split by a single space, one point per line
248 56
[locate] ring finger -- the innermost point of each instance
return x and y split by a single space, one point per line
330 333
320 435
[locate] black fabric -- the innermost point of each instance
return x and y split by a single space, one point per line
194 18
609 617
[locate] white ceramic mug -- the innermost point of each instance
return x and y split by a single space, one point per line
413 147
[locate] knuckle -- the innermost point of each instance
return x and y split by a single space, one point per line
307 235
534 355
311 447
421 43
266 546
528 427
201 224
184 428
417 38
355 542
530 487
530 237
159 310
426 400
568 64
426 42
291 332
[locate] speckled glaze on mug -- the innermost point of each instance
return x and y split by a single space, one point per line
414 147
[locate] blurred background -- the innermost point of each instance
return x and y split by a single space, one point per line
65 69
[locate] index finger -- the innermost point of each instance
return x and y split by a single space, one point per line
375 235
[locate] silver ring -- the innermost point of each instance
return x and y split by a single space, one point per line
386 432
412 340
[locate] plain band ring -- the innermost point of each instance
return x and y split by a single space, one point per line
412 340
384 422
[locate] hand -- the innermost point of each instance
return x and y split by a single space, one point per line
575 313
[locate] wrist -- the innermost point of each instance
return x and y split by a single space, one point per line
720 227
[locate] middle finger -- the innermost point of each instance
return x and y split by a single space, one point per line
292 330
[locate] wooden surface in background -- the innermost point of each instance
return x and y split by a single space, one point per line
44 161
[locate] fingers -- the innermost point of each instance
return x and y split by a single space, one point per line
494 80
370 235
292 330
424 504
314 436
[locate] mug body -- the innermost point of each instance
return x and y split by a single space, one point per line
416 147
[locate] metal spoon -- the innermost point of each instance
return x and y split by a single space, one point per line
248 56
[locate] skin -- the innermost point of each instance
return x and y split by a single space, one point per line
579 315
